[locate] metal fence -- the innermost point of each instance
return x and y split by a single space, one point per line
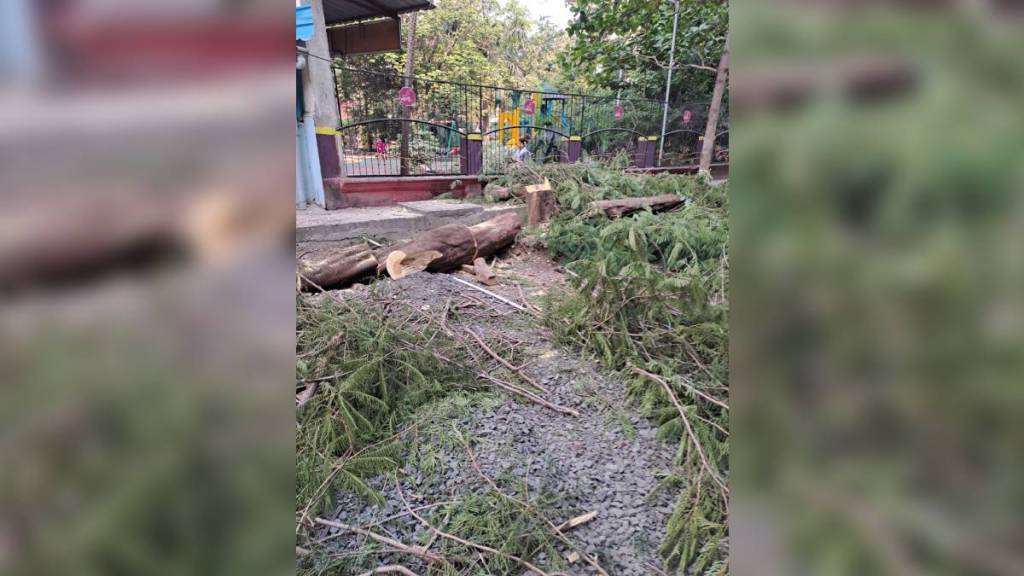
381 136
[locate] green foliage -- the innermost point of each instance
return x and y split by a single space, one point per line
423 145
503 524
635 36
378 378
879 242
650 293
490 42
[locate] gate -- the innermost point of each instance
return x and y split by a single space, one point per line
455 128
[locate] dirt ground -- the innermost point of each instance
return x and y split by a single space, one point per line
606 460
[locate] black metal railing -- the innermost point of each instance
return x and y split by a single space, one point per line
381 136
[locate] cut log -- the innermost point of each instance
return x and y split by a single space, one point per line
540 205
483 272
623 206
400 265
454 242
442 249
494 234
499 193
339 268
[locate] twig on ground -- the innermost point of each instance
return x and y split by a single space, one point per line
320 379
390 569
304 517
689 386
433 538
305 396
465 542
395 544
693 355
529 395
386 520
493 295
526 301
577 521
504 362
525 505
689 431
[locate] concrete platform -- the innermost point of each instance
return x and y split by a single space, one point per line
314 224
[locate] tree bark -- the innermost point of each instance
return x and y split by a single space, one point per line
540 205
339 268
619 208
708 149
410 48
453 241
496 233
454 244
483 272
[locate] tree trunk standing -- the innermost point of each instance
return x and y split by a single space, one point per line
708 149
410 46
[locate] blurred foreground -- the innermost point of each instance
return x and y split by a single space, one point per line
147 328
878 289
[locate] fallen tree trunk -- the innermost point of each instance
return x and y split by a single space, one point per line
453 241
494 234
442 249
339 268
623 206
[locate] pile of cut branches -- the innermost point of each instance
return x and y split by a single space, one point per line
373 373
648 298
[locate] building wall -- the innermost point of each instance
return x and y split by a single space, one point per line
321 74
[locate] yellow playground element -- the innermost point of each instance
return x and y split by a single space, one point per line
509 119
510 122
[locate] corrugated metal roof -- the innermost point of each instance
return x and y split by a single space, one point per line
303 22
341 11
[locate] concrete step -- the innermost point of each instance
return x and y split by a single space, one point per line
314 224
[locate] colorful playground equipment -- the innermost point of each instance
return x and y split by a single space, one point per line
522 112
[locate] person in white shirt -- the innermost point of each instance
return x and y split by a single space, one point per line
523 153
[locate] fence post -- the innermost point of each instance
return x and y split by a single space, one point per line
644 155
571 149
472 156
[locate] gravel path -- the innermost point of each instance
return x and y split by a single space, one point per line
606 460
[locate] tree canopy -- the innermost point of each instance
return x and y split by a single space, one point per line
493 42
635 37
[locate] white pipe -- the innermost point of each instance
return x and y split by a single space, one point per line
300 170
668 84
313 174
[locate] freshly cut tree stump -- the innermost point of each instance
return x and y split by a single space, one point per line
339 268
540 205
623 206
